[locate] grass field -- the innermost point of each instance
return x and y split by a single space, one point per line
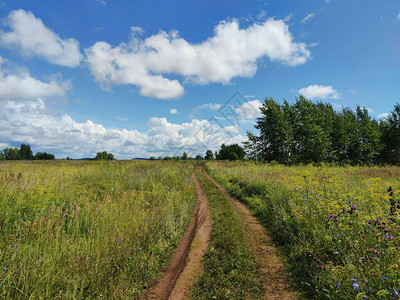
77 230
339 227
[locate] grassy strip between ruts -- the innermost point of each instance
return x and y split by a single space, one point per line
229 269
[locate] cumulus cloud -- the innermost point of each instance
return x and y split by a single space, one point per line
31 37
383 116
307 18
249 110
319 92
22 87
231 52
30 122
173 111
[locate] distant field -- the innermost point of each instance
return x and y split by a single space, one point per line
77 230
339 227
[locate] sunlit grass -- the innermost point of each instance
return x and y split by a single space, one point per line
338 226
77 230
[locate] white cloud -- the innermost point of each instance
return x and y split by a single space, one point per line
249 110
383 116
319 92
102 2
231 52
307 18
31 122
173 111
31 37
21 86
210 106
398 16
137 30
124 119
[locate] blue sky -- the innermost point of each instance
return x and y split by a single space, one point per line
144 78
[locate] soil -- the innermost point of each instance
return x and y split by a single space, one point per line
186 263
273 276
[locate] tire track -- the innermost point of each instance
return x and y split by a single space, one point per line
186 263
273 274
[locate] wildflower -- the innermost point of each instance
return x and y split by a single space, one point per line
395 293
338 284
355 286
389 237
375 251
353 279
383 278
336 235
5 268
353 207
87 229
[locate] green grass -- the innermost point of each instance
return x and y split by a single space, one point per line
229 269
87 230
336 225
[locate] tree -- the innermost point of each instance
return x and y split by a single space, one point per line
209 155
104 156
225 150
184 156
252 147
198 157
390 137
233 156
152 158
2 156
276 138
43 156
25 152
11 153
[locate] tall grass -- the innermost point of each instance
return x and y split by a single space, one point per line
75 230
340 227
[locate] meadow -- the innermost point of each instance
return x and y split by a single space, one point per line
338 227
77 230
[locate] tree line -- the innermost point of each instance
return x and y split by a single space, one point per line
23 153
308 132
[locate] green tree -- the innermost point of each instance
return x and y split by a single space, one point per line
369 138
25 152
232 156
199 157
209 155
184 156
252 147
44 156
390 137
104 156
225 150
152 158
11 153
2 156
275 141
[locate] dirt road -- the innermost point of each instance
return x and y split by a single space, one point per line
186 263
273 274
